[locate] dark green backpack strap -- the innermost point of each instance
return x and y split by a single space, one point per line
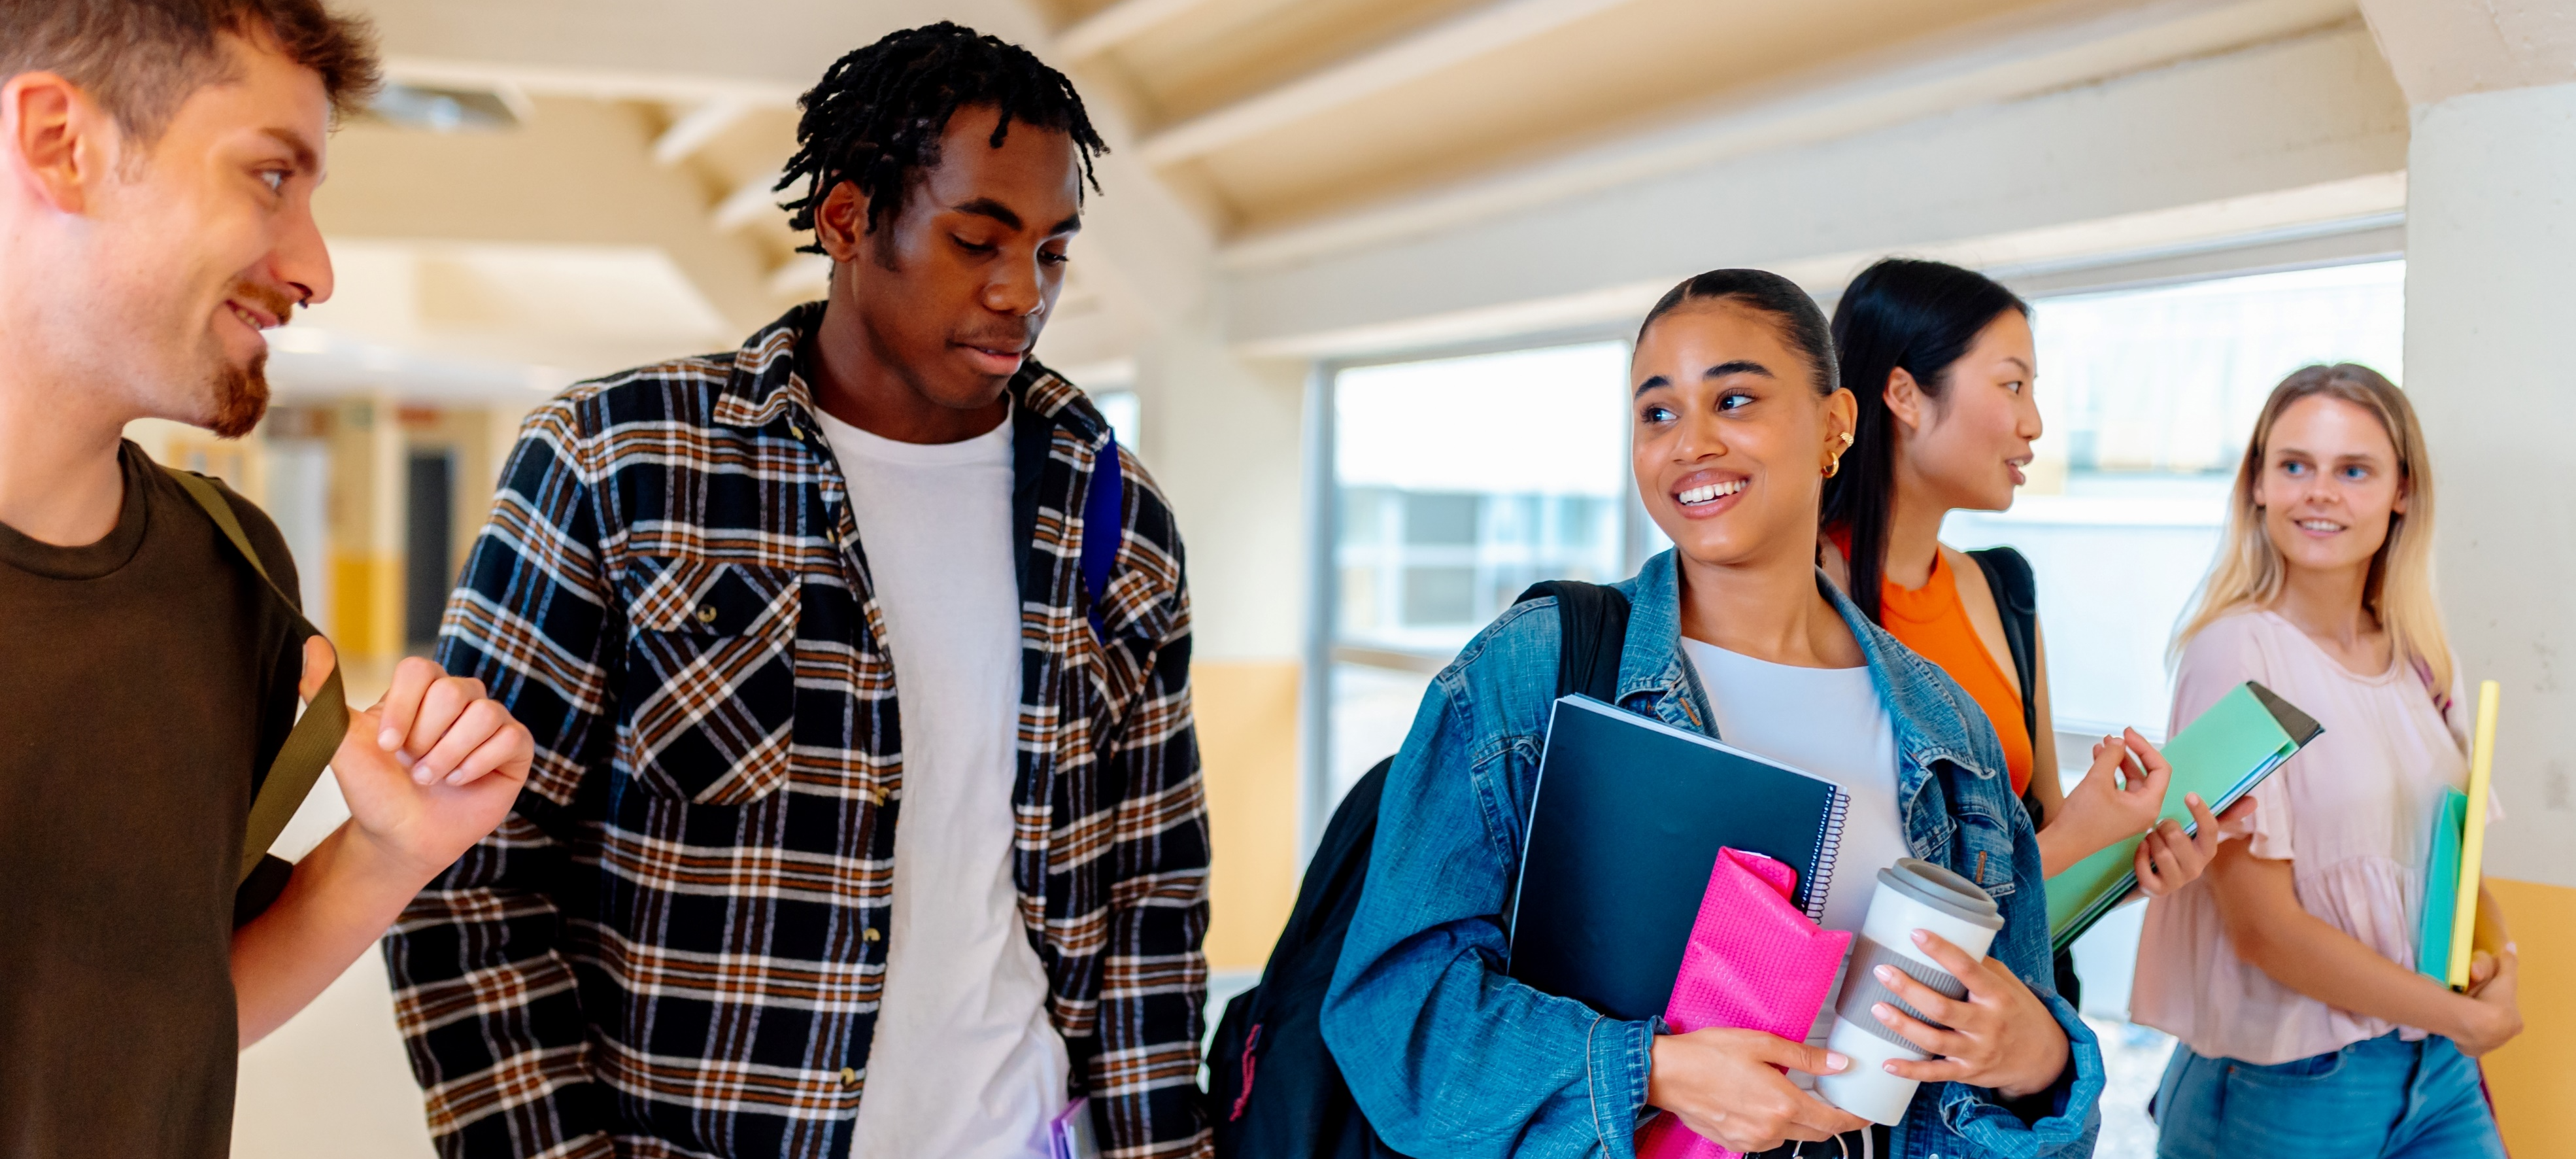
317 733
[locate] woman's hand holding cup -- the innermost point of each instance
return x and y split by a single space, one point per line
2000 1036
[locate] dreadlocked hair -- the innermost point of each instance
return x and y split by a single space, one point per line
878 114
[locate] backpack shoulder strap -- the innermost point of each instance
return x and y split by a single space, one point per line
2016 591
2009 577
1102 510
316 735
1593 620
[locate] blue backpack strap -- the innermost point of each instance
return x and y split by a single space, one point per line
1102 513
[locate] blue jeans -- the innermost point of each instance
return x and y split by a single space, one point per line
2376 1099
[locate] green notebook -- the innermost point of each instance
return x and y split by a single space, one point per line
2221 756
2441 887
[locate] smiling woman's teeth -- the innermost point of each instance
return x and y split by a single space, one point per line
1699 495
2318 525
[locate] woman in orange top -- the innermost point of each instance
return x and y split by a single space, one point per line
1941 361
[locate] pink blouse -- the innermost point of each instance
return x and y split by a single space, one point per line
2352 813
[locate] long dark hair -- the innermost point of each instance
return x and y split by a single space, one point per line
1901 314
1800 321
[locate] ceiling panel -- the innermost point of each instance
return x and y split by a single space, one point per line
1629 66
1225 50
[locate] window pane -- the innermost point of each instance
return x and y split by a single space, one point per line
1462 480
1459 482
1433 518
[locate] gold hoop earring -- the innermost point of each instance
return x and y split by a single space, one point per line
1833 466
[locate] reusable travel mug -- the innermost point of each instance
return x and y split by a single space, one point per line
1912 895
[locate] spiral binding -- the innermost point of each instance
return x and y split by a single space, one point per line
1829 845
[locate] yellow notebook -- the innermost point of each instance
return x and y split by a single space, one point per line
2473 838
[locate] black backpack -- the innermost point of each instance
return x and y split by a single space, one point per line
1274 1091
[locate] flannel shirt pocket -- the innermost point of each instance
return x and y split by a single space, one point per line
710 689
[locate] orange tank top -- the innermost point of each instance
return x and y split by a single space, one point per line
1933 622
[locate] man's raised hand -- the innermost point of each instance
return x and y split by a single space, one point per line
431 768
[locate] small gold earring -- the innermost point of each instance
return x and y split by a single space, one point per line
1847 440
1833 465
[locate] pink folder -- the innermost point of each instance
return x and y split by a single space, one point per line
1753 962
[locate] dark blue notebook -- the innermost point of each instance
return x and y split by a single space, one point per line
1625 825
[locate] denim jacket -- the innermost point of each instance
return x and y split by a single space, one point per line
1449 1057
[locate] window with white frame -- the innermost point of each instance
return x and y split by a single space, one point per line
1458 482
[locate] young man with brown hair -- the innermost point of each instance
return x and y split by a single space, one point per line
867 816
157 165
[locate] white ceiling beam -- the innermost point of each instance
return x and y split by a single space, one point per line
1117 24
745 204
2081 169
2008 57
1495 26
699 126
578 176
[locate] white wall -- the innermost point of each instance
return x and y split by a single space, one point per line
2491 241
1223 437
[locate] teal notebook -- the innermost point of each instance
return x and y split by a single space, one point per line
2221 756
2441 887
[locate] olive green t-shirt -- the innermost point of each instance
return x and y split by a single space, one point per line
148 680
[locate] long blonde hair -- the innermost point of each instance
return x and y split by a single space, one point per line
2399 590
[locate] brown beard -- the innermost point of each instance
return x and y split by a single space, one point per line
241 393
241 397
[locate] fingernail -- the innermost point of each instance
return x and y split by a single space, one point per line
1889 1067
421 775
1885 1012
1922 937
1886 974
388 739
1835 1061
2193 798
456 778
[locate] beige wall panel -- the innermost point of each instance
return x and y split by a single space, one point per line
1247 726
2533 1077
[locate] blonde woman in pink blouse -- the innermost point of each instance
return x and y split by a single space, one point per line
2288 972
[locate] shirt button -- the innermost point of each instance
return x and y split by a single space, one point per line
795 428
707 614
849 1076
873 936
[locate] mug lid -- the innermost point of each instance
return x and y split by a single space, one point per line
1943 890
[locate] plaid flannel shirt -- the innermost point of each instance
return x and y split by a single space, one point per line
675 943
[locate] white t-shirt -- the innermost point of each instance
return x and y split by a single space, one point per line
965 1062
1827 722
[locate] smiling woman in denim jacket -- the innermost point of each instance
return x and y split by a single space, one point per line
1737 422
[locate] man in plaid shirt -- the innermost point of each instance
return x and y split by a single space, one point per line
760 607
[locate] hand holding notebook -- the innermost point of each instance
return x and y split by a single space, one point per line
1625 828
2221 755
